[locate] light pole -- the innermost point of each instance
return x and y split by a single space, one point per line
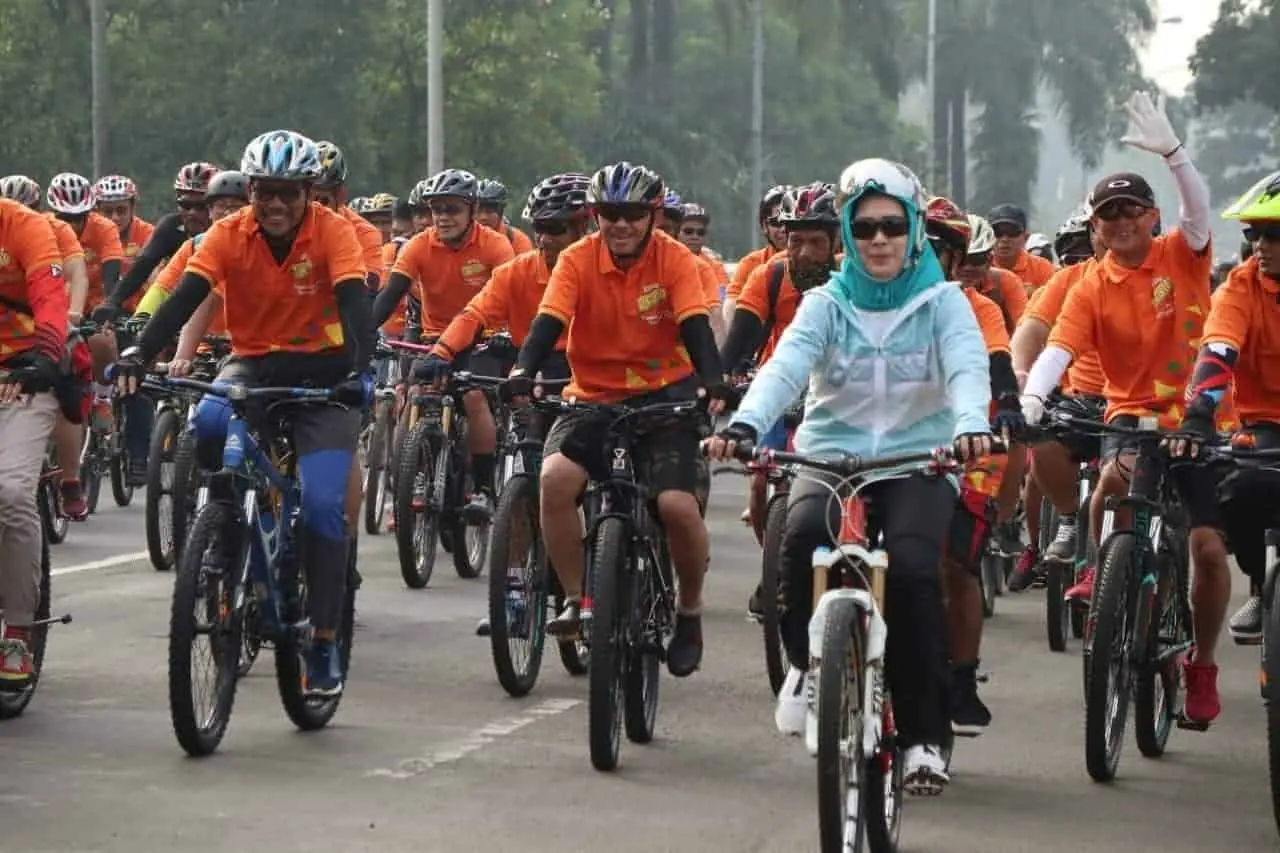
757 116
435 86
98 83
931 76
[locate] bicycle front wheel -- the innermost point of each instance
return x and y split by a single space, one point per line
517 602
158 506
1110 675
1270 677
608 643
842 763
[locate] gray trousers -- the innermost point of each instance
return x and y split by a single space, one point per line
24 437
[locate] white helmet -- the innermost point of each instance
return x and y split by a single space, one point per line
282 155
70 193
886 178
21 189
1039 244
115 188
982 237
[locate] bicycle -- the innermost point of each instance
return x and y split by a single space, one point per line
378 444
850 725
242 549
53 520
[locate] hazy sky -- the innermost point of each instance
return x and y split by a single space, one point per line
1165 58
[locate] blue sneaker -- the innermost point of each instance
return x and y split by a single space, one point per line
324 670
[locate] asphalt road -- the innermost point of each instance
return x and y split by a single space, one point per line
428 753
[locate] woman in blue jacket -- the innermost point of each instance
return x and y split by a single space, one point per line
894 363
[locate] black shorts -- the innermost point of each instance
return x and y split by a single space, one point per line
971 527
666 459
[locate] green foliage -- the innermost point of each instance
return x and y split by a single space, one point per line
1236 61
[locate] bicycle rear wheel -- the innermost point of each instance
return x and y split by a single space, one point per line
55 524
91 470
1270 678
417 526
14 702
377 481
608 643
186 485
842 763
517 607
158 506
1109 675
1057 610
775 656
1158 682
648 620
121 490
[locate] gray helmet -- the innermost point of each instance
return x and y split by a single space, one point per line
229 184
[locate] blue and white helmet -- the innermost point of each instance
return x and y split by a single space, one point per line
625 183
282 155
888 178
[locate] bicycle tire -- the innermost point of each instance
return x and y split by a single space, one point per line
199 738
91 472
989 571
121 491
842 663
1057 611
14 702
164 439
54 523
470 541
377 480
775 655
1269 671
186 485
641 686
884 789
417 558
1155 694
517 504
1110 616
604 675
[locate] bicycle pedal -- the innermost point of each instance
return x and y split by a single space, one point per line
982 677
1190 725
1247 641
64 619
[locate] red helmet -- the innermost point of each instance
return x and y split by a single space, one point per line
195 177
946 223
809 206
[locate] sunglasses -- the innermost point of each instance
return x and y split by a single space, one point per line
627 212
1269 232
1008 229
694 232
551 228
285 192
889 226
192 204
1120 209
446 208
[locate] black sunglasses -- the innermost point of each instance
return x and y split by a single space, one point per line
1117 209
1269 232
285 192
446 208
889 226
628 212
551 227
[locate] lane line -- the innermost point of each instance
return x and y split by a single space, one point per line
474 740
95 565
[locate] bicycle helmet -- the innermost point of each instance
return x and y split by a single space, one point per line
982 237
492 193
451 183
1260 202
672 204
558 197
282 155
947 225
810 206
115 188
1039 244
381 203
1073 233
626 183
884 177
194 177
21 189
415 195
333 165
228 184
770 201
689 211
359 205
70 193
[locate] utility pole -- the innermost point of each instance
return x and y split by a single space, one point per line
435 86
931 77
757 117
98 83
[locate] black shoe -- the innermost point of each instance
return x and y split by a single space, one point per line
568 622
479 510
755 610
483 629
969 717
685 651
137 473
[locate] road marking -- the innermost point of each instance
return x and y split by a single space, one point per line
472 741
95 565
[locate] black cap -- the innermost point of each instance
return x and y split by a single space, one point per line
1122 185
1009 213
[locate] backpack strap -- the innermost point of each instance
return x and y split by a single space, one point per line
777 272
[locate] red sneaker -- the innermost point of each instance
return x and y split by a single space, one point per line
16 666
1024 573
1203 705
1082 592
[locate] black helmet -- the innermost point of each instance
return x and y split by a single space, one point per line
333 165
453 183
558 197
492 193
771 200
690 211
812 206
229 184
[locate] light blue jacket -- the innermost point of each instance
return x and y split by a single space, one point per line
879 382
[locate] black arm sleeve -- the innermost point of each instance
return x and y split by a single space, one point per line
165 240
700 341
389 297
357 327
172 315
110 275
543 334
1003 380
745 331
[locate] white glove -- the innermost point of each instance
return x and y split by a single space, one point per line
1149 127
1032 409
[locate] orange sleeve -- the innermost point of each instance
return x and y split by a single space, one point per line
520 241
36 248
1229 314
387 259
745 267
990 320
560 299
684 282
345 257
710 286
169 276
754 296
209 260
486 310
68 243
1074 329
370 246
1046 303
498 251
1015 296
108 237
410 258
1198 265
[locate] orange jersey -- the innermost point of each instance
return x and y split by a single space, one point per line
624 325
1243 315
100 240
710 281
396 322
1033 270
68 242
31 275
169 276
1008 292
986 474
280 307
448 277
717 265
1085 375
745 267
754 298
133 239
520 242
370 239
1145 324
509 301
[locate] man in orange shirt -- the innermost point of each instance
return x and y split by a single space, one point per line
639 332
302 263
33 329
1010 224
451 261
116 197
1002 287
1143 309
490 212
775 240
27 192
331 191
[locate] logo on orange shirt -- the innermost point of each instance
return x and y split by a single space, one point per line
302 282
4 258
474 273
89 255
653 298
130 250
1161 290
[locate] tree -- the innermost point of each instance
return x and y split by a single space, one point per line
1236 60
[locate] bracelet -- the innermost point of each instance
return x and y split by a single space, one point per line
1174 151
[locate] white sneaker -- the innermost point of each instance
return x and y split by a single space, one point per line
925 771
793 706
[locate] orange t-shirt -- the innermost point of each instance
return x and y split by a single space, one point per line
717 266
1085 375
134 238
280 307
1008 293
1243 315
100 240
624 325
710 281
745 267
169 276
447 277
369 237
28 247
394 327
1033 270
754 297
986 474
1145 323
68 242
509 301
520 242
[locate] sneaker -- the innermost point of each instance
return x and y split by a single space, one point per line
1009 539
483 628
479 509
755 610
1246 625
16 665
74 506
1082 592
1202 704
517 624
137 472
324 670
1024 574
793 704
745 518
568 622
969 716
925 773
685 651
1063 546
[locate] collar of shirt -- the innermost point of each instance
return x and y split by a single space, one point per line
604 258
473 235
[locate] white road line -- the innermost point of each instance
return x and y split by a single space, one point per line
95 565
472 741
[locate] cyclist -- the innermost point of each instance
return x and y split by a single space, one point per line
303 262
492 204
379 211
1010 224
331 191
26 192
1002 287
117 199
402 219
775 240
694 224
33 329
1041 247
890 295
639 333
451 262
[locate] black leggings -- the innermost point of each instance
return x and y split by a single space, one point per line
915 514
